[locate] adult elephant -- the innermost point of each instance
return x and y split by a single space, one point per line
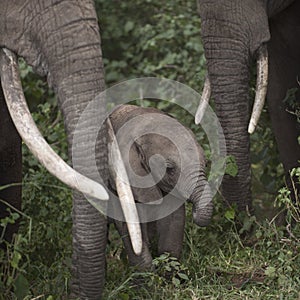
61 40
234 32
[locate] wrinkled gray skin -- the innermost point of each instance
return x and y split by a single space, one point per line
61 40
168 231
232 31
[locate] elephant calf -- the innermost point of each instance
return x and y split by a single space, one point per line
165 167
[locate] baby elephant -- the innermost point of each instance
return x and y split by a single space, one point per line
165 166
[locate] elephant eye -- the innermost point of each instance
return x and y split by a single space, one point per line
170 170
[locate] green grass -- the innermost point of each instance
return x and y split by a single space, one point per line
220 264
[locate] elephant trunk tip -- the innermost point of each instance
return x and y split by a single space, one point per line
203 208
202 218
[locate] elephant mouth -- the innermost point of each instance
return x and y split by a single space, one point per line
260 95
25 125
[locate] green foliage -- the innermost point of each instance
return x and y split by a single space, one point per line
49 203
231 166
289 200
293 106
37 262
35 88
236 257
13 260
151 38
170 269
13 264
168 273
267 171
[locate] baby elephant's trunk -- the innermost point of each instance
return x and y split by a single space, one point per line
194 186
202 204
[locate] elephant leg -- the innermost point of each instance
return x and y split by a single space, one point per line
10 167
171 232
284 75
143 261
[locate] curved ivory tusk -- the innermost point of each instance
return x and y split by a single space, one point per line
124 191
261 87
203 101
27 129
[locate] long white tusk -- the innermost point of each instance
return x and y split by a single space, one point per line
203 101
261 87
30 134
124 191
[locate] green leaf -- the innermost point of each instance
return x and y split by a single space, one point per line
164 256
230 214
258 234
175 281
270 272
295 172
231 166
15 260
124 296
21 287
183 276
168 268
129 26
247 224
175 264
15 216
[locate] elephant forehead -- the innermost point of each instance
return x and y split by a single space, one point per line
155 144
156 123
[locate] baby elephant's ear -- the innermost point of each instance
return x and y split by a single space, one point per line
144 188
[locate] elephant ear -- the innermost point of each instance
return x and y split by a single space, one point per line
145 190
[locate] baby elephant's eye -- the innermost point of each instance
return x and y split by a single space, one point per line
170 171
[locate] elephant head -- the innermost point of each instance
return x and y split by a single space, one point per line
234 33
161 157
61 41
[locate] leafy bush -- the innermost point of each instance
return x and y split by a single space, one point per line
37 262
145 38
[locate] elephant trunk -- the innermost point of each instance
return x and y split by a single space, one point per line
227 62
75 91
230 92
72 56
202 205
232 32
194 186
